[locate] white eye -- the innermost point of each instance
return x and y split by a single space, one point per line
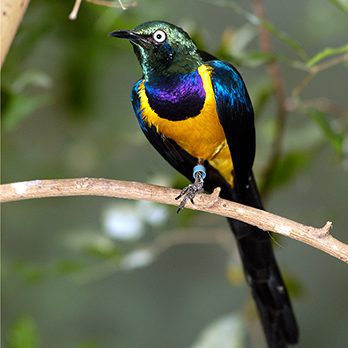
159 36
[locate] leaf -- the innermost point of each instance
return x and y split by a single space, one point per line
327 52
341 4
253 19
334 136
32 78
19 107
286 39
30 272
242 37
103 248
257 58
92 244
236 41
16 105
262 97
295 287
289 166
69 267
23 333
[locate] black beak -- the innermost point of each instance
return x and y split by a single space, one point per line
127 34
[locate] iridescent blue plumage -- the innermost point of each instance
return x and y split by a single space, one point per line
236 116
229 86
136 105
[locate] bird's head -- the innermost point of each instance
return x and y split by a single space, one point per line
162 48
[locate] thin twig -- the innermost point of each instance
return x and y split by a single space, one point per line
329 63
313 71
74 12
280 94
114 4
319 238
147 253
117 3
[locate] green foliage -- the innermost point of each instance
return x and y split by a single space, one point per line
262 97
17 105
341 4
333 134
32 273
289 166
103 248
68 267
253 19
327 52
23 333
234 47
286 39
295 286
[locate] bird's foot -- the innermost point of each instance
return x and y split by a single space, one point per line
189 192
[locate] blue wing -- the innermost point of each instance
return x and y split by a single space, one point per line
236 116
237 119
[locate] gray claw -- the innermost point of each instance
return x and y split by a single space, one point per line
189 192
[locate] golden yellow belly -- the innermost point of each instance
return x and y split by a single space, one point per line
201 136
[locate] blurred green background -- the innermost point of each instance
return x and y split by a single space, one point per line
96 272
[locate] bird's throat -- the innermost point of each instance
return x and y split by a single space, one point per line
177 97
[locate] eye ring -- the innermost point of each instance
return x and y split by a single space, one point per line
159 36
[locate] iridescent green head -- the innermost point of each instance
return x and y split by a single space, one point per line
162 48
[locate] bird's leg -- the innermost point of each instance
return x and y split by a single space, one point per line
189 192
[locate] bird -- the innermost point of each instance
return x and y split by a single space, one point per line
196 112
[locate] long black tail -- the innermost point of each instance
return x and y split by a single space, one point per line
262 273
255 247
259 263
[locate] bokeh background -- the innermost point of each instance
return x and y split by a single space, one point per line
97 272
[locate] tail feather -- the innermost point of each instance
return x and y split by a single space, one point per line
259 263
262 273
267 286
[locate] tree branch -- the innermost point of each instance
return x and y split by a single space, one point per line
280 96
12 12
319 238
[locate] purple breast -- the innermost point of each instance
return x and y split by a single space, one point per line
176 98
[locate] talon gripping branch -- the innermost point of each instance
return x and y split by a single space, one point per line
195 110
